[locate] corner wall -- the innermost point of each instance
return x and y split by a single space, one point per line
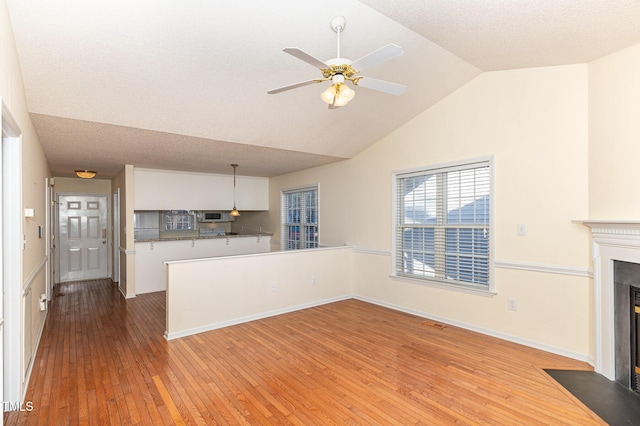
534 122
123 182
614 141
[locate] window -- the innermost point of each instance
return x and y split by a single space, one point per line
300 219
442 218
178 220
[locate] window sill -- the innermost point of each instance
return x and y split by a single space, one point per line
452 287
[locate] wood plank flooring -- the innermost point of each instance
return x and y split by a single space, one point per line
103 360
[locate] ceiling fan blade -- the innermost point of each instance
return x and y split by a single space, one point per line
384 54
382 86
304 56
293 86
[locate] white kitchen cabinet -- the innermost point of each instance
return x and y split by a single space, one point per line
172 190
150 274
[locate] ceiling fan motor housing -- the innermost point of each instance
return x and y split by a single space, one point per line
339 66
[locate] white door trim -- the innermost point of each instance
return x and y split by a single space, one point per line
12 236
115 276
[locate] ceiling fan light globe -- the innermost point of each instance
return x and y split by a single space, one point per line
343 95
329 94
347 93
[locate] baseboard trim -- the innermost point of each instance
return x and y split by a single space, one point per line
510 338
248 318
121 290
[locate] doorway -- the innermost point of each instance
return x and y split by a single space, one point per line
83 237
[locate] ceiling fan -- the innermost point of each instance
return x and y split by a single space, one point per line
340 70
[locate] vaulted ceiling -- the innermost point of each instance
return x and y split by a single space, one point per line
182 85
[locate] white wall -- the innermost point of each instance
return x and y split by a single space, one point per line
34 256
150 271
83 186
211 293
614 88
534 122
123 182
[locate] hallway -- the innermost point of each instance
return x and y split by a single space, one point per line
88 363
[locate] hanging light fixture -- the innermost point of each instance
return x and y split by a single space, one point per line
338 94
234 212
85 174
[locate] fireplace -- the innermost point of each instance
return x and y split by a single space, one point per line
616 273
635 340
627 323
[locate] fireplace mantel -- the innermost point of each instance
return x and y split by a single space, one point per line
613 227
612 240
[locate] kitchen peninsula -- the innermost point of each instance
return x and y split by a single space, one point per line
151 254
185 215
161 236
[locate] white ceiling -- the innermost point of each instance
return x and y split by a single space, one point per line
183 85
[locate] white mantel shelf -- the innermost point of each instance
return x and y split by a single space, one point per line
613 223
626 228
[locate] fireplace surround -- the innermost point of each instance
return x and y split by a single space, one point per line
611 241
627 301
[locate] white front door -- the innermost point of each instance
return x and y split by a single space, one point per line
83 236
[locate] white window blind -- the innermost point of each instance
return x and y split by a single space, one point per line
300 219
442 224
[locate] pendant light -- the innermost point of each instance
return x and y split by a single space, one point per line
234 212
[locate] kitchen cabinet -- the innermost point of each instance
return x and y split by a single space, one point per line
171 190
150 273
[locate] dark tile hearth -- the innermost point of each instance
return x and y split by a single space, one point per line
614 403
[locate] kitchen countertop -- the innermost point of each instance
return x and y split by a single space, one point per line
207 237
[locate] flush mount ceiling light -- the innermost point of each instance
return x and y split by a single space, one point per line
85 174
340 70
234 212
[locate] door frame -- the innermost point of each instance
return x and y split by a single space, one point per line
116 238
12 245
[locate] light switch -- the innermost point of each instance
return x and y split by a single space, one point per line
522 230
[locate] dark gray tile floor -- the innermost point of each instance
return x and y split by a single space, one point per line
614 403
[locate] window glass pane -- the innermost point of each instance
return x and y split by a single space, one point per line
443 218
419 255
420 199
300 219
178 220
467 196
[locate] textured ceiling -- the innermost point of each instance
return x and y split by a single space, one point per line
182 84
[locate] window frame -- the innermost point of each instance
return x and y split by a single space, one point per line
284 225
485 290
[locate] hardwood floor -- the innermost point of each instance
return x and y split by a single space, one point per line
103 360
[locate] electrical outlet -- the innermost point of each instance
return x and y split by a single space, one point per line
313 280
522 229
512 305
274 286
